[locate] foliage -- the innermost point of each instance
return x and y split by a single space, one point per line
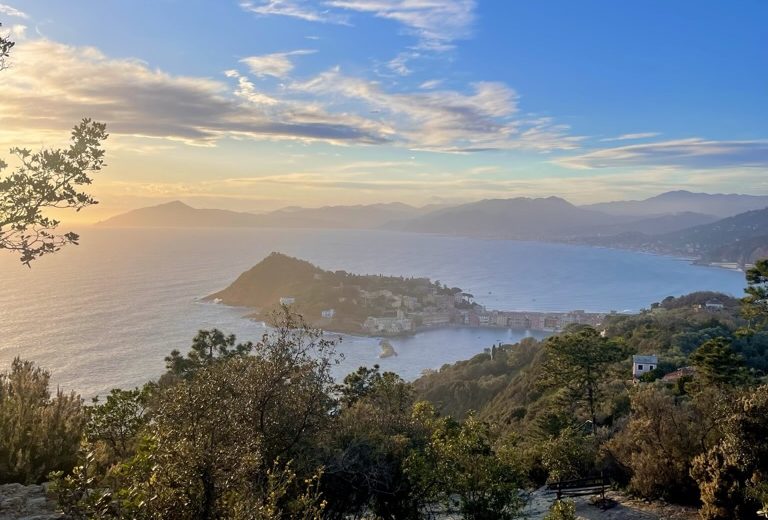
365 450
732 473
576 362
717 364
569 455
755 303
48 179
208 347
562 510
118 421
38 433
460 468
216 438
657 445
5 49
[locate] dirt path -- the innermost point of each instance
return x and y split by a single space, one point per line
626 509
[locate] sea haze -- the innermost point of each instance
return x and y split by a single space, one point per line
106 313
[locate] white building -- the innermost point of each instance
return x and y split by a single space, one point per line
287 300
328 313
642 365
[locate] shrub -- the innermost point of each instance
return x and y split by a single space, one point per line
38 434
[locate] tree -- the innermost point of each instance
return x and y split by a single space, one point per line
717 363
732 474
223 442
44 180
208 347
38 433
366 448
665 428
5 49
461 469
576 362
755 303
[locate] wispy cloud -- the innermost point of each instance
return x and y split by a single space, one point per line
445 120
304 10
682 153
632 137
8 10
437 23
278 64
47 92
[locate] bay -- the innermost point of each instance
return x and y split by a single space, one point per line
106 313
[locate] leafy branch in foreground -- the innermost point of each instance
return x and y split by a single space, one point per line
48 179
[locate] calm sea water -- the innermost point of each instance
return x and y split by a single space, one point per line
106 313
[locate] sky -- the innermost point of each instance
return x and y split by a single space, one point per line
260 104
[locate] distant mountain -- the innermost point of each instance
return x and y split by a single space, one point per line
358 217
178 214
707 238
519 218
719 205
658 225
741 238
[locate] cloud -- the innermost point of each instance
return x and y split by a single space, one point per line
632 137
430 84
445 120
437 23
8 10
301 9
683 153
53 85
278 64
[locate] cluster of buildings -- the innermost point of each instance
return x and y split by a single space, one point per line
407 314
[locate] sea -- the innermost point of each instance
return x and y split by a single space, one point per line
105 313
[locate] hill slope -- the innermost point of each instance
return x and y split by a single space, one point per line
720 205
519 218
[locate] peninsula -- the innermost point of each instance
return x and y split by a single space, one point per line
374 305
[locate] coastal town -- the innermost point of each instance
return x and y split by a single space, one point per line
435 309
377 305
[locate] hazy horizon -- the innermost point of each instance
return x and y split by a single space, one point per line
356 102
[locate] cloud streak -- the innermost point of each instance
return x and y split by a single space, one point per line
436 23
682 153
8 10
303 10
278 64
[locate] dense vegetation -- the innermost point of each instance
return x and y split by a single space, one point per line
261 430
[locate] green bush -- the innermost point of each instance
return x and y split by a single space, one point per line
38 434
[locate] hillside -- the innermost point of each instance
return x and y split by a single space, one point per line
178 214
519 218
504 389
338 301
719 205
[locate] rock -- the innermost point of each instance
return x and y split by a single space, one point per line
20 502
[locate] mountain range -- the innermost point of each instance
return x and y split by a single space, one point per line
710 227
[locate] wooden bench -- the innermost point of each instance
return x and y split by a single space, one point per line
580 487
